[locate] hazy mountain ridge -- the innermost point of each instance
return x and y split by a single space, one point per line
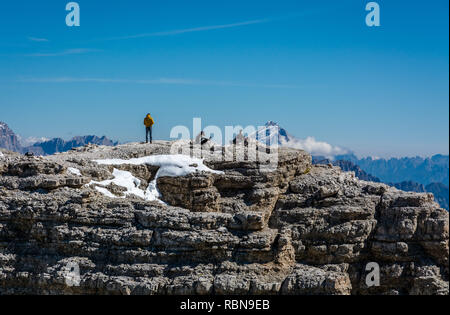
10 141
425 171
59 145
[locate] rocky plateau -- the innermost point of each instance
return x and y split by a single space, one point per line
296 229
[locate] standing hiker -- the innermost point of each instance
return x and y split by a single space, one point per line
148 122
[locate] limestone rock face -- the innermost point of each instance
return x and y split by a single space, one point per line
295 229
8 139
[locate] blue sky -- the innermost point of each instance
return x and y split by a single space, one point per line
312 66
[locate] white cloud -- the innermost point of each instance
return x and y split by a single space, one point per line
191 30
168 81
314 147
74 51
31 140
38 39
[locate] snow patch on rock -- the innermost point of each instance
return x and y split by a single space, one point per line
169 165
105 192
126 180
74 171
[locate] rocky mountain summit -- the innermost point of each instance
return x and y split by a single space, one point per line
120 220
8 139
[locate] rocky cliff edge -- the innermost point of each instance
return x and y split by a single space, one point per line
69 224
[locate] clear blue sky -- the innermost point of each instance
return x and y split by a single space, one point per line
312 66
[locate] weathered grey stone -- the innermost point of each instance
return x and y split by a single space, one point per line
295 229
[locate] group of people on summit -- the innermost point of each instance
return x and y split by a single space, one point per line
200 139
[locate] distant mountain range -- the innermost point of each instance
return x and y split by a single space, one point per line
409 173
56 145
10 141
425 171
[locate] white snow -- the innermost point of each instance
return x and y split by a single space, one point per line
170 165
1 155
74 171
123 179
105 192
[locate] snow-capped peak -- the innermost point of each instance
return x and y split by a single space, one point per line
272 134
271 123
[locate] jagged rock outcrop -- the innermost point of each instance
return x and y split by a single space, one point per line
439 190
296 229
441 194
8 139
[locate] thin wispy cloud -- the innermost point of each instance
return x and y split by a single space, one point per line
38 39
74 51
167 81
194 29
70 80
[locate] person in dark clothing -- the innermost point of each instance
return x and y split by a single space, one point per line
205 140
148 122
148 134
239 138
201 138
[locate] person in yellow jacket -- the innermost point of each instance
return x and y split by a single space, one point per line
148 122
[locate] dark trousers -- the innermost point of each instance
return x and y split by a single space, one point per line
148 131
